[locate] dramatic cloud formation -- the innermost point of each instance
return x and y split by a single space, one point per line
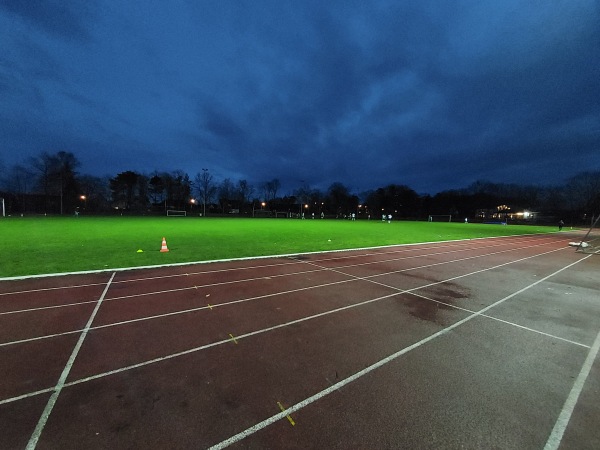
431 94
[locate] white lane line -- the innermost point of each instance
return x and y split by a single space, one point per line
65 373
255 258
319 395
579 344
166 291
352 278
55 288
256 332
567 411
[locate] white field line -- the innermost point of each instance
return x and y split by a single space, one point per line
293 262
190 310
206 272
564 418
251 258
450 305
286 324
271 420
65 373
267 276
507 322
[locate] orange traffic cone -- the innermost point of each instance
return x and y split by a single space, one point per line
164 248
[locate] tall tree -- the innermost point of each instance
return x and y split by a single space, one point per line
205 188
178 189
340 199
270 189
64 173
123 188
244 191
226 193
156 189
45 166
18 183
95 193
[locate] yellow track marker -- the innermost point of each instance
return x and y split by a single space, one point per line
231 335
209 307
288 416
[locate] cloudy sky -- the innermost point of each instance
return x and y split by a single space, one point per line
431 94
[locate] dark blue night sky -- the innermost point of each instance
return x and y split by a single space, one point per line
430 94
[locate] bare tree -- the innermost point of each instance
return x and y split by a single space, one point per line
226 193
64 172
244 191
270 189
205 187
45 166
17 182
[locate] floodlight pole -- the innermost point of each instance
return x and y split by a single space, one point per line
3 210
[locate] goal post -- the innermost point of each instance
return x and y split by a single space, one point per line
440 218
590 243
176 213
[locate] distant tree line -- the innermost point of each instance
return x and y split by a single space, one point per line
51 184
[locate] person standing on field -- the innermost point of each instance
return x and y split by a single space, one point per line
560 225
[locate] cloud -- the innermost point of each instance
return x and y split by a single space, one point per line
60 18
429 94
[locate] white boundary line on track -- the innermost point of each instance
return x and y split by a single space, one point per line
319 395
294 261
400 247
567 411
275 327
248 258
352 278
37 432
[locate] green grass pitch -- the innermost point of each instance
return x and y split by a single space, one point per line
44 245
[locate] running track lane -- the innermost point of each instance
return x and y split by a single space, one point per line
230 382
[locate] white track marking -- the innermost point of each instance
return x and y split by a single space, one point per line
507 322
65 373
186 311
55 288
272 276
203 347
252 258
292 262
567 411
271 420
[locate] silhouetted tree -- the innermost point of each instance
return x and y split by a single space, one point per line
205 188
123 188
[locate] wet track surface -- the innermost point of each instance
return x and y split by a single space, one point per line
486 343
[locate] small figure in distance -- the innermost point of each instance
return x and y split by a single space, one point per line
560 225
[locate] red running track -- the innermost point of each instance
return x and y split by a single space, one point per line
473 344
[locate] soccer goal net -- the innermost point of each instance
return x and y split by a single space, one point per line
440 218
591 241
175 213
